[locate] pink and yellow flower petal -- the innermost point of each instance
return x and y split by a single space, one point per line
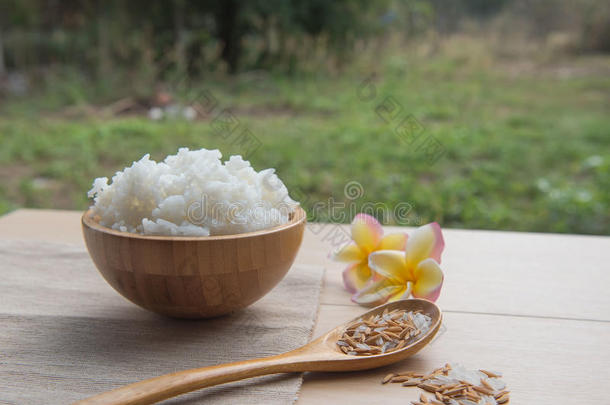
366 232
390 264
377 292
404 294
426 241
349 253
428 280
355 276
393 241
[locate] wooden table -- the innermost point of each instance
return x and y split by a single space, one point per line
534 306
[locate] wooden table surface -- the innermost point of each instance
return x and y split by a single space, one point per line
534 306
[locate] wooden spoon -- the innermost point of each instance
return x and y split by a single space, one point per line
321 354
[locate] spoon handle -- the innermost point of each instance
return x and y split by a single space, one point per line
170 385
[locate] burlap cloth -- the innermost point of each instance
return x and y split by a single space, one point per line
65 334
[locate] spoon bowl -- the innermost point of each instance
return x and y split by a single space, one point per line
336 360
321 354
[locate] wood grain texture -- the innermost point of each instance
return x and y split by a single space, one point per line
322 354
194 277
61 342
547 354
543 360
513 273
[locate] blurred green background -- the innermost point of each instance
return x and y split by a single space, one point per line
514 96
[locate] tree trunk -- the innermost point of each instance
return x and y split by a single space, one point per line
2 64
180 35
103 42
230 33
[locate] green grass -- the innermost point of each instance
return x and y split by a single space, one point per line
528 153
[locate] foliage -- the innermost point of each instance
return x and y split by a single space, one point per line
153 37
95 34
524 152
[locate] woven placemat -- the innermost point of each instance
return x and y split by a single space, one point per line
65 334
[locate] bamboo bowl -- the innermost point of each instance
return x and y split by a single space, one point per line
194 277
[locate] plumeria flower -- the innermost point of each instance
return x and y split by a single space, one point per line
398 274
367 236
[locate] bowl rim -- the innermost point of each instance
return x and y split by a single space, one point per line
299 217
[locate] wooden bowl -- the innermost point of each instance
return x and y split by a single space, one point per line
194 277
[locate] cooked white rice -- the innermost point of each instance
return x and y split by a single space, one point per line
191 193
